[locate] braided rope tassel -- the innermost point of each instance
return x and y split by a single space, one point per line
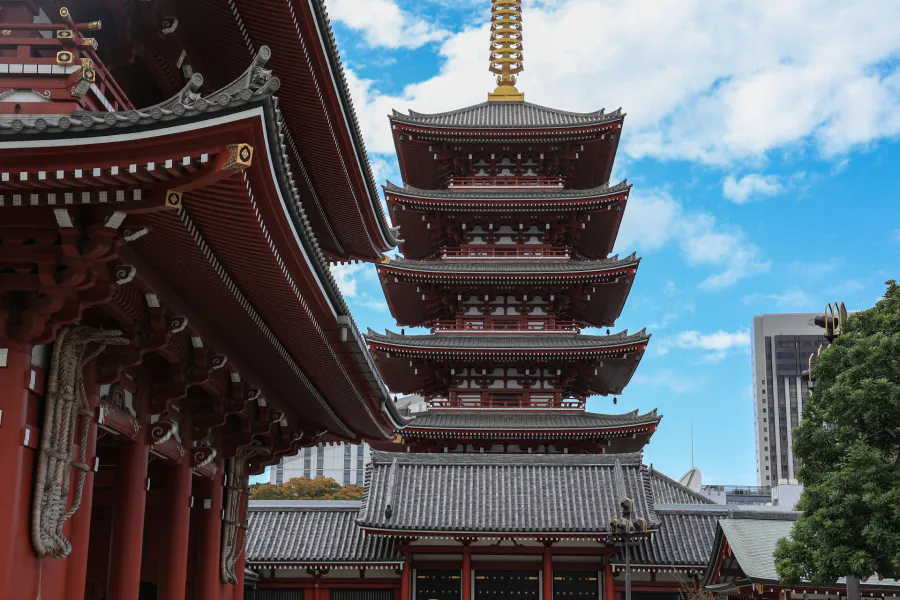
66 399
234 533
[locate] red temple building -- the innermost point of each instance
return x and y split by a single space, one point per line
175 178
505 488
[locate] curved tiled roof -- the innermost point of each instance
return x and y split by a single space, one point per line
511 195
683 538
515 267
668 491
301 532
518 420
502 494
511 115
510 342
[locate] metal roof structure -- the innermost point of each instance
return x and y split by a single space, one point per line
507 115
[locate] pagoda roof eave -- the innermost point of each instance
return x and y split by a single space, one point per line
519 268
508 342
488 116
256 107
511 419
505 196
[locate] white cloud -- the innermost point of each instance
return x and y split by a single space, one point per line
716 346
793 298
741 191
654 218
384 23
716 82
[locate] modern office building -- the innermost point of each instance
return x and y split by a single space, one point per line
345 463
782 344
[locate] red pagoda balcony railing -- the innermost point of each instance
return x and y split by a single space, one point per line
64 67
523 325
454 182
503 251
498 400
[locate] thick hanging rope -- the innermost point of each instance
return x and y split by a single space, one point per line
65 401
234 534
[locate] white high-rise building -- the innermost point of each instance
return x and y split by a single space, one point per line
782 344
345 463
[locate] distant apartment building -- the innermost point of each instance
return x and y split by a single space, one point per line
345 463
782 344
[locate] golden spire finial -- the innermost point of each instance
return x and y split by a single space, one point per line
506 49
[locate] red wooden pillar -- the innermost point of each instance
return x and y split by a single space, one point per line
547 574
16 465
609 583
405 575
208 580
178 499
467 572
76 572
128 521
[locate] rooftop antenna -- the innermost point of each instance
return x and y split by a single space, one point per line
692 444
506 58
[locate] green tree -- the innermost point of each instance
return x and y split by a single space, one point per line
300 488
848 449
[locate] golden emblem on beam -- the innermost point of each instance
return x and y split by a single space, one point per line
65 34
173 199
240 156
65 58
506 58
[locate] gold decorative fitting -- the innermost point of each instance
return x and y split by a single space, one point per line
87 63
65 58
173 199
64 12
6 32
88 42
239 157
95 25
88 74
65 34
506 57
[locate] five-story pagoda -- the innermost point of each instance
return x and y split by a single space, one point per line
509 220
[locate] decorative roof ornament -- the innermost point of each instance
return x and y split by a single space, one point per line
507 58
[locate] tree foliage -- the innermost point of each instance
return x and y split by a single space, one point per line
300 488
848 449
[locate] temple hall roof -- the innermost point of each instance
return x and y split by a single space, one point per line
309 532
668 491
507 115
510 342
684 538
502 494
511 194
517 420
514 266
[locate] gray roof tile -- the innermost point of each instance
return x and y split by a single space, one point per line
668 491
511 115
507 195
501 493
304 532
682 539
514 267
510 342
519 420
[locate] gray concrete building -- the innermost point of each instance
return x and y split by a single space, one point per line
782 344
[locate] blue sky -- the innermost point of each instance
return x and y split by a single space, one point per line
762 142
